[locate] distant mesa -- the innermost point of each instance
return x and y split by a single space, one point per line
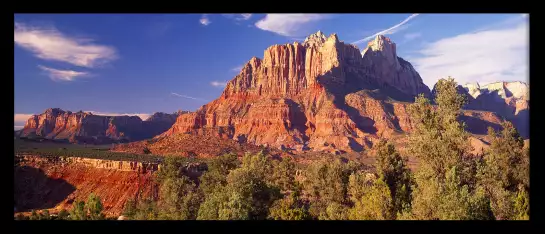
85 127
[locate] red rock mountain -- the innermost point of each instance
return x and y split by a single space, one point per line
84 127
321 94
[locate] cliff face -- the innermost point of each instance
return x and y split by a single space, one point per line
510 100
55 183
85 127
317 95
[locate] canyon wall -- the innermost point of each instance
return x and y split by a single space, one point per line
84 127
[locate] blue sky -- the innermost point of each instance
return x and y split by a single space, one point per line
143 63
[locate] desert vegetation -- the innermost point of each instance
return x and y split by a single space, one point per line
449 184
81 210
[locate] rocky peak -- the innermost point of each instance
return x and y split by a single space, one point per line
516 89
54 111
384 47
315 40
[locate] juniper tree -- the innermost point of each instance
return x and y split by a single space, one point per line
504 175
392 169
441 144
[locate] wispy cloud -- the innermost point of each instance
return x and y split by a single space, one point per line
19 120
142 116
289 25
238 17
62 75
205 20
396 28
51 44
499 54
218 83
185 96
237 69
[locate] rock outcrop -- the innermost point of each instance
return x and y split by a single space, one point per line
85 127
510 100
54 183
317 95
381 57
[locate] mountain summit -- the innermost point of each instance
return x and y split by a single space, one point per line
321 94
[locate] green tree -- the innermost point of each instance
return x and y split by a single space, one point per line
78 211
216 175
442 146
283 175
375 204
63 215
393 170
326 185
179 196
146 210
289 208
522 205
504 174
94 207
179 199
213 203
244 195
129 208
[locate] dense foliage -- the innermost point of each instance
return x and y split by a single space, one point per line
449 183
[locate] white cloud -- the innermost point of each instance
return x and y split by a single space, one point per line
50 44
62 75
218 84
237 69
412 36
185 96
492 55
391 30
288 24
19 120
204 20
238 17
142 116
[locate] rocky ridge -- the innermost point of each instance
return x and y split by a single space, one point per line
510 100
321 94
85 127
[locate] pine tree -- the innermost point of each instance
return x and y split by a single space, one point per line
504 174
78 211
326 187
375 204
444 182
94 207
392 168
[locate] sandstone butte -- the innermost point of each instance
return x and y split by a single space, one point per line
85 127
319 95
